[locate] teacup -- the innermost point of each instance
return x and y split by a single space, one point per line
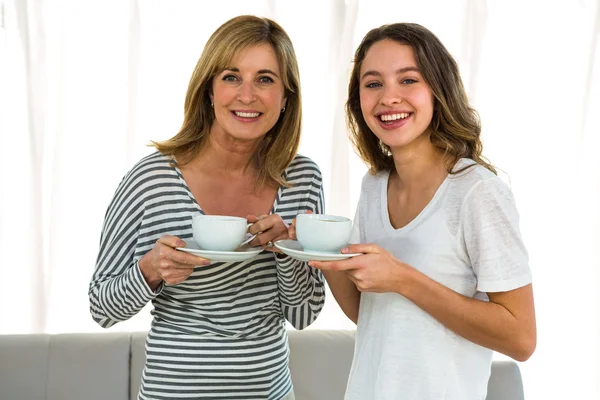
220 232
323 233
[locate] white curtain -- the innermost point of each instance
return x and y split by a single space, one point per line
84 86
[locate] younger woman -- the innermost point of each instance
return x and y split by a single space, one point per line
444 278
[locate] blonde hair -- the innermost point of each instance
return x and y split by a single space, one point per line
280 144
455 126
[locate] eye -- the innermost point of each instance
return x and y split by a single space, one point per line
265 79
373 85
230 78
409 81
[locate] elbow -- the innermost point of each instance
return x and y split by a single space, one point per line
524 349
353 317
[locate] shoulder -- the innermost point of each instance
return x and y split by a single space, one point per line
477 193
303 169
302 163
152 162
150 167
372 182
151 173
476 181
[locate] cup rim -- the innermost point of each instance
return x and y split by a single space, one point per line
321 217
219 217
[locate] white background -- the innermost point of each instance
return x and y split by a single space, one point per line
85 85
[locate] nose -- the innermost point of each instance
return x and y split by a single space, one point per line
246 94
391 95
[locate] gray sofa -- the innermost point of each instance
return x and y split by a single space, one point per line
108 366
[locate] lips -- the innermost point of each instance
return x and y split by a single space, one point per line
246 116
391 121
390 117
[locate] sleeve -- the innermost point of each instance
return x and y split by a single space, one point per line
118 289
491 235
301 287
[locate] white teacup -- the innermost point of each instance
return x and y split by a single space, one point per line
220 232
323 233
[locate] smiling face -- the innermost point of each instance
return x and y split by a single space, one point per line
248 95
396 102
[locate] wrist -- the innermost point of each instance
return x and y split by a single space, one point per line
153 280
403 279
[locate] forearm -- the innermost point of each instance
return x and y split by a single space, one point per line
301 291
119 298
345 293
487 324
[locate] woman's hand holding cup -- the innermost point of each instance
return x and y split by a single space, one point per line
164 263
268 229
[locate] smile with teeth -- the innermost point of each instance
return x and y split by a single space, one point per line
246 114
393 117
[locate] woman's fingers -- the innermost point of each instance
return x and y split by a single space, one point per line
268 228
171 241
262 223
185 260
363 248
344 265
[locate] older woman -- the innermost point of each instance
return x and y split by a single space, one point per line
219 328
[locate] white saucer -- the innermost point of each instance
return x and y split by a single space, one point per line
241 254
293 249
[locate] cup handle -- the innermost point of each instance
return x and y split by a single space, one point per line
248 240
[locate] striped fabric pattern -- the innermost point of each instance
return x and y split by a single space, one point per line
221 334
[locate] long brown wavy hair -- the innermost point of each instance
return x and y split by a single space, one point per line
455 126
280 144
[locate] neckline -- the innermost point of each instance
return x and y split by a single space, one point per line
197 205
385 215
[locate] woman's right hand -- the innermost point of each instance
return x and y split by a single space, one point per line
164 263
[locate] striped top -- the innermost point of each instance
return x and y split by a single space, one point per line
221 334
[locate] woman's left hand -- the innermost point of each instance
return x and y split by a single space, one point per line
270 228
377 270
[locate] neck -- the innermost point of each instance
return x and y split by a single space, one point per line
225 155
419 165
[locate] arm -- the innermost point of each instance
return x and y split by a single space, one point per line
497 255
489 234
344 292
118 289
505 324
302 288
343 289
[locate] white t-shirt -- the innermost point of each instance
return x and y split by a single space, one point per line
467 238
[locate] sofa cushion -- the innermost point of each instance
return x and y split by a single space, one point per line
23 363
320 363
89 366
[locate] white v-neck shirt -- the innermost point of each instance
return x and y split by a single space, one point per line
467 238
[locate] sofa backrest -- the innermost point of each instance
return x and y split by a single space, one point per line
109 366
65 367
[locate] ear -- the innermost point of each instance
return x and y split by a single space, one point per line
284 102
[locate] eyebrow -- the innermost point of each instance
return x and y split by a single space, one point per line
398 71
260 71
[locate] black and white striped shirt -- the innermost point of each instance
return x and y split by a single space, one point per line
221 333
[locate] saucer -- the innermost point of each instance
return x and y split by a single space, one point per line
293 249
241 254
